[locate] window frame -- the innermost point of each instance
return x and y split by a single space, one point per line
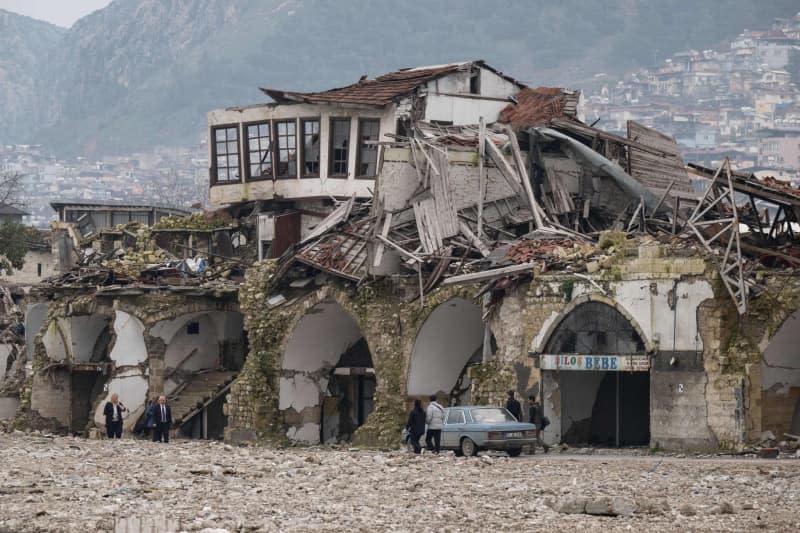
246 125
302 148
277 150
456 412
331 160
213 163
361 121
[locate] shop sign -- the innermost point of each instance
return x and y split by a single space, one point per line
602 363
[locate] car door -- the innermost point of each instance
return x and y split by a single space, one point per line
454 423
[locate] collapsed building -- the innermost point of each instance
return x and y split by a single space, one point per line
439 230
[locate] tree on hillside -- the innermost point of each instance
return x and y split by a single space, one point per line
13 236
10 187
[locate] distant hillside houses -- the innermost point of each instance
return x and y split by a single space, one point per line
741 100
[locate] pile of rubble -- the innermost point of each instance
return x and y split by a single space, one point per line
577 185
12 344
66 484
177 251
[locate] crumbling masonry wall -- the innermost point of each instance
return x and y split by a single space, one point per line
77 364
388 318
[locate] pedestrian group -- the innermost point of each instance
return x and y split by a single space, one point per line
433 418
157 415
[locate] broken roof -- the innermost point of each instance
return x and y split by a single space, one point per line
6 209
537 107
381 90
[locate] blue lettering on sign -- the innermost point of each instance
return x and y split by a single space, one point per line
596 363
572 360
588 363
613 363
605 363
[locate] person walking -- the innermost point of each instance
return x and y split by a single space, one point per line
513 406
416 425
150 418
435 420
163 420
113 412
536 416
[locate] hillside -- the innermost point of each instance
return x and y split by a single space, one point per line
144 72
24 43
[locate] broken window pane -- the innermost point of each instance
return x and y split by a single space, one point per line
226 154
259 155
367 147
340 144
310 148
286 134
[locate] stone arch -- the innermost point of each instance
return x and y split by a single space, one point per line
599 402
543 339
195 356
450 338
75 355
327 375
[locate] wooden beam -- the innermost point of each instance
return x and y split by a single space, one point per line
401 250
489 274
481 177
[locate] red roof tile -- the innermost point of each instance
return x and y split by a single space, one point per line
381 90
536 107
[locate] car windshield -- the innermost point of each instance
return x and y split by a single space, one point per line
491 415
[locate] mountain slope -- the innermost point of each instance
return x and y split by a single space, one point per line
144 72
24 43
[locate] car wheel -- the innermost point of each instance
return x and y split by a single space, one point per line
514 452
458 452
468 448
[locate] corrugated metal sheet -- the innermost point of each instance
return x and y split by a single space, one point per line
656 170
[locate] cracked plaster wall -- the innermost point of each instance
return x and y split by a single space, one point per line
131 385
448 338
214 327
314 347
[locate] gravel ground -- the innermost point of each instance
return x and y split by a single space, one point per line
67 484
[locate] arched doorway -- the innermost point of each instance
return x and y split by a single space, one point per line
596 359
780 380
327 380
77 348
204 352
450 340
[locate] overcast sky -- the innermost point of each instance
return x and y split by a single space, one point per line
60 12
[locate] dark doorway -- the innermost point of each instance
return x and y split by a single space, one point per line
86 386
605 408
350 396
622 408
209 423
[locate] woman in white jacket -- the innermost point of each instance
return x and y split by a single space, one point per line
434 417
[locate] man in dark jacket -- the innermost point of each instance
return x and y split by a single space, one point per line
416 425
113 412
162 416
513 406
536 416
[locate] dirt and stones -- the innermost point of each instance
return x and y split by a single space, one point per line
66 484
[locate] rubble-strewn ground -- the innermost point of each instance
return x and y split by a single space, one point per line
66 484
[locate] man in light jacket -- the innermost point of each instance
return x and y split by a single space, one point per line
434 417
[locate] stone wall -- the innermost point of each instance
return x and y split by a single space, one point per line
113 332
